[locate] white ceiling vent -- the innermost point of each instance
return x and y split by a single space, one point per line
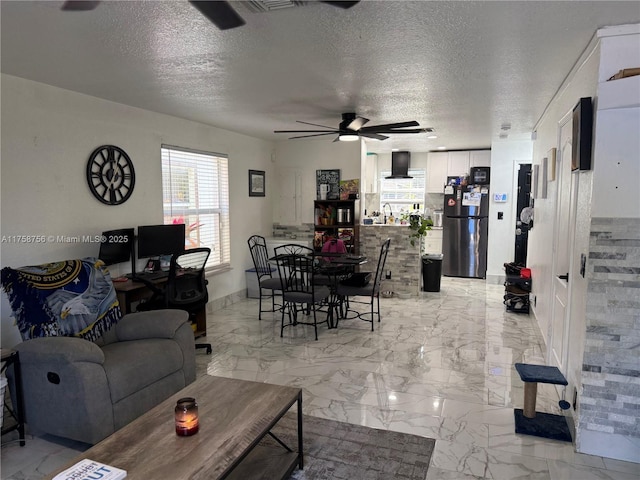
259 6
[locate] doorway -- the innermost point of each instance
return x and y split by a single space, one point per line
523 201
564 235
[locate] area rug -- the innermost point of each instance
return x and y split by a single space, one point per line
343 451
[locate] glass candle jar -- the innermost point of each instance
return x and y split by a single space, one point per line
186 414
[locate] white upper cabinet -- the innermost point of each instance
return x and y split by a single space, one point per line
458 164
441 165
288 209
480 158
437 169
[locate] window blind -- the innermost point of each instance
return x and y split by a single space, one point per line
195 191
402 193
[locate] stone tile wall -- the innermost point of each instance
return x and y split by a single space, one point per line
303 231
610 401
403 261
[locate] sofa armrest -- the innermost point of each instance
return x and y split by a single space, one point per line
151 324
60 350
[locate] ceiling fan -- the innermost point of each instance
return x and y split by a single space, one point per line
352 127
220 13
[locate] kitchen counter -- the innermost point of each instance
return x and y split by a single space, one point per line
394 225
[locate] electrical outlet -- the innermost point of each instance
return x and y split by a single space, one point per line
388 275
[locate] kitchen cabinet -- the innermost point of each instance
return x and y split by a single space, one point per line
336 219
437 168
288 207
458 164
480 158
432 241
441 165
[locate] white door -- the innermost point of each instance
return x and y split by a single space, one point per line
563 246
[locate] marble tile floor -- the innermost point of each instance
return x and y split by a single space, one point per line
438 365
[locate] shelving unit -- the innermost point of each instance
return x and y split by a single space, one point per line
326 224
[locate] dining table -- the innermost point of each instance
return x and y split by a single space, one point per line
332 268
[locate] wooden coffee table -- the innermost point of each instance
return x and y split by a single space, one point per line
234 416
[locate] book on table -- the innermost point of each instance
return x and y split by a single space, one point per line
90 469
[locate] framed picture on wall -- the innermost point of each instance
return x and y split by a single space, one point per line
256 183
582 134
328 184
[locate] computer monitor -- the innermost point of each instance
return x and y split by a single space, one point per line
116 246
160 240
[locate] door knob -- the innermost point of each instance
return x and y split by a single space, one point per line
564 277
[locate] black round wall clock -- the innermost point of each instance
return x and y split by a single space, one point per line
110 175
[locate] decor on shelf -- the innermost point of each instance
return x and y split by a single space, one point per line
330 178
256 183
582 135
110 175
349 189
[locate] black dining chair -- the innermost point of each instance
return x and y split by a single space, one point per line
264 272
300 295
371 290
186 287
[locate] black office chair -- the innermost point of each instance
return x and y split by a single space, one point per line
186 287
300 295
371 290
266 281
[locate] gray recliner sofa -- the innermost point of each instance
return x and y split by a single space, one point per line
85 391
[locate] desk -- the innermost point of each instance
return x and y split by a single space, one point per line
11 357
132 291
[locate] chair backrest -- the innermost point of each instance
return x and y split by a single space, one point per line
384 250
258 249
295 267
187 285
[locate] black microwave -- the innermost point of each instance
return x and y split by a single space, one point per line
479 175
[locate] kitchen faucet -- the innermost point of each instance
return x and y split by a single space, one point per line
385 212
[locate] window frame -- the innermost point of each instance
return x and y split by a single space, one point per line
190 167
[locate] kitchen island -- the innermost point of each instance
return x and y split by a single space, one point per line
403 262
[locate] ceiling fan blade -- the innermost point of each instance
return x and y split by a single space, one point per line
315 135
344 5
391 126
374 135
406 130
357 123
314 124
220 13
306 131
79 5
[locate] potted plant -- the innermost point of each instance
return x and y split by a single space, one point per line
418 226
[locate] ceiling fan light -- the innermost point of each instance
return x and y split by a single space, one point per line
348 137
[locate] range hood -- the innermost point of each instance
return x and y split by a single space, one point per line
400 165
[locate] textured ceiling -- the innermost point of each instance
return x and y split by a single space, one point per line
462 68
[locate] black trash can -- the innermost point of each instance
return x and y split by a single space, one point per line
431 272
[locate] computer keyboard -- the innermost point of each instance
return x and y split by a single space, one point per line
151 276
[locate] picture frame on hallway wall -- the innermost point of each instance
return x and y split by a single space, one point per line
582 135
534 181
256 183
543 180
551 155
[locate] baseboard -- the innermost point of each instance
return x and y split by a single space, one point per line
610 445
493 279
222 302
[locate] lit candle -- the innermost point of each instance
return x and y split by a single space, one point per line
186 415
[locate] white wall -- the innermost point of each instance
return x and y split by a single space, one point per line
47 137
505 156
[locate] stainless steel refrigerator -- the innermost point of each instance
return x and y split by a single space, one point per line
465 231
